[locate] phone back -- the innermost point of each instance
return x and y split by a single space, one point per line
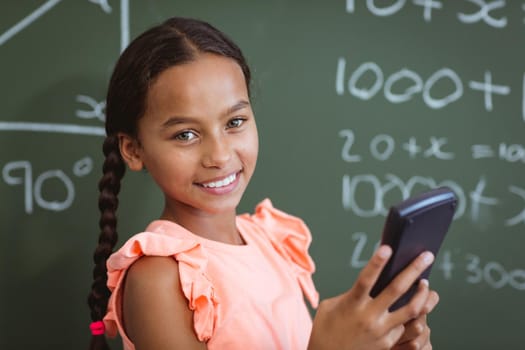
413 226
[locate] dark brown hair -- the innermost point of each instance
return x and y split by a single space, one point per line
176 41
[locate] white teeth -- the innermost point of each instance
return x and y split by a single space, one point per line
221 183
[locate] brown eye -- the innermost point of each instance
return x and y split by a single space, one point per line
185 136
235 122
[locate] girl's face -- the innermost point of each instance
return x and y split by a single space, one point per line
198 137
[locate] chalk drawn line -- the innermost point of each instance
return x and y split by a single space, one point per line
53 128
124 24
39 12
33 16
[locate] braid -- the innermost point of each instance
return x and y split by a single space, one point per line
109 187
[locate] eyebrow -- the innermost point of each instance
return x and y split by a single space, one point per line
176 120
181 119
239 105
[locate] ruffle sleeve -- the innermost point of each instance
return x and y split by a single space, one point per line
291 238
195 283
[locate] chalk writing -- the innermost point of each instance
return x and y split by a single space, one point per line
445 87
356 260
379 189
412 147
473 269
494 274
520 217
83 167
476 198
345 152
482 10
489 89
96 111
355 86
428 6
383 146
388 144
366 93
435 149
482 151
20 172
511 153
483 13
103 5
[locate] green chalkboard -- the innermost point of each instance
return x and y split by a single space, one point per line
359 104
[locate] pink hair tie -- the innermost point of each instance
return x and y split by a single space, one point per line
97 328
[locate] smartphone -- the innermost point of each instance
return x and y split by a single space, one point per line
413 226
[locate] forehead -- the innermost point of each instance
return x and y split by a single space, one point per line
210 82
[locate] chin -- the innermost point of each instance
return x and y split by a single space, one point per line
222 206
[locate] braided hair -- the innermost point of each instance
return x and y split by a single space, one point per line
176 41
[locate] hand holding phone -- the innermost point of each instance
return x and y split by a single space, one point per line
413 226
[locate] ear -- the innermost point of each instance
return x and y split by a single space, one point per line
130 151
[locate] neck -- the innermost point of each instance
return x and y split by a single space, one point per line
220 227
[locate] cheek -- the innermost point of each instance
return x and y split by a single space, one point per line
169 166
250 148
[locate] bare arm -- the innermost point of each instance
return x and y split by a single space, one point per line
155 310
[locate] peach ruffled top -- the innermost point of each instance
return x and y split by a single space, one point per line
243 296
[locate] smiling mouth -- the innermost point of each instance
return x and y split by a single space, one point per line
221 183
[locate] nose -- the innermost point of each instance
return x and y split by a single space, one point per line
217 151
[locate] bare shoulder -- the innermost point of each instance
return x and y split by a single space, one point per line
155 310
153 269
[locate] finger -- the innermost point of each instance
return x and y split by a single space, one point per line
432 301
413 329
421 341
395 334
369 274
413 309
405 279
